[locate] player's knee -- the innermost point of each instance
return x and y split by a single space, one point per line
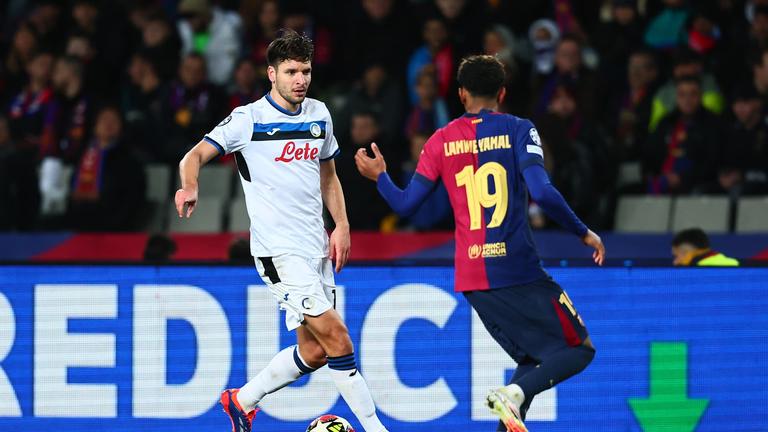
587 351
313 355
339 339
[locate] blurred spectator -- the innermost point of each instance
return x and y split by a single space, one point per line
68 116
687 64
500 42
159 248
743 160
577 155
435 213
7 188
629 112
690 247
144 100
264 32
195 105
465 21
23 47
703 33
28 108
681 154
376 92
758 31
365 208
616 40
377 34
106 30
212 32
544 37
430 112
569 71
108 182
247 87
26 115
161 43
296 17
760 73
436 51
666 30
45 17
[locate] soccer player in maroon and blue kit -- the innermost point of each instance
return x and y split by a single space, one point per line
489 162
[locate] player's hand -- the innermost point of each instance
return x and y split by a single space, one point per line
340 245
593 240
186 198
370 168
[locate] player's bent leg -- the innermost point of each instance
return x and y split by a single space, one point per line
333 336
310 352
522 368
285 367
556 368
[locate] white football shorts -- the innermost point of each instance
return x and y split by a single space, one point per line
301 286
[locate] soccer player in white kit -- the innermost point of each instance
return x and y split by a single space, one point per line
285 149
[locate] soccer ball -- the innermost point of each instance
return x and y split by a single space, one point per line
330 423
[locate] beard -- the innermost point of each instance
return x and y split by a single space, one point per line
288 95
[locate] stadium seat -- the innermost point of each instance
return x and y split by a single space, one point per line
709 213
643 214
208 217
238 216
158 182
214 181
752 215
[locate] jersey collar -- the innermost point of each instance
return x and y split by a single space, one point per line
281 109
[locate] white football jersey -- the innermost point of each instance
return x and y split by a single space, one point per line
278 154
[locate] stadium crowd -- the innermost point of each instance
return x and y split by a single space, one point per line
651 97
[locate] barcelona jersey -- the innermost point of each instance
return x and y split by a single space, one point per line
480 159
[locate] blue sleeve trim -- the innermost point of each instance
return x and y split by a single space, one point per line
333 156
544 193
404 202
213 142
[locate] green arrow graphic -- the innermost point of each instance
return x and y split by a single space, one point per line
668 408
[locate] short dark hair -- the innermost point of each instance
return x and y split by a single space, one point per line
290 46
688 79
481 75
695 237
686 57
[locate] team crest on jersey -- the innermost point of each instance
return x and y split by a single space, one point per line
226 120
535 136
315 130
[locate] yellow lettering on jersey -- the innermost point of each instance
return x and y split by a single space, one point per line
498 142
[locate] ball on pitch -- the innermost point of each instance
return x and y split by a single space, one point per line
330 423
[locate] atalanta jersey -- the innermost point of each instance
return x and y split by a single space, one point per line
480 158
278 154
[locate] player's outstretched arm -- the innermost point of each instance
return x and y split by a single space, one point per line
333 197
189 169
544 193
403 202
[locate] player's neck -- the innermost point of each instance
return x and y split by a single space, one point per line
475 105
275 95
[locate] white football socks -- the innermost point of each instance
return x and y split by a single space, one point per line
516 393
281 371
354 390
